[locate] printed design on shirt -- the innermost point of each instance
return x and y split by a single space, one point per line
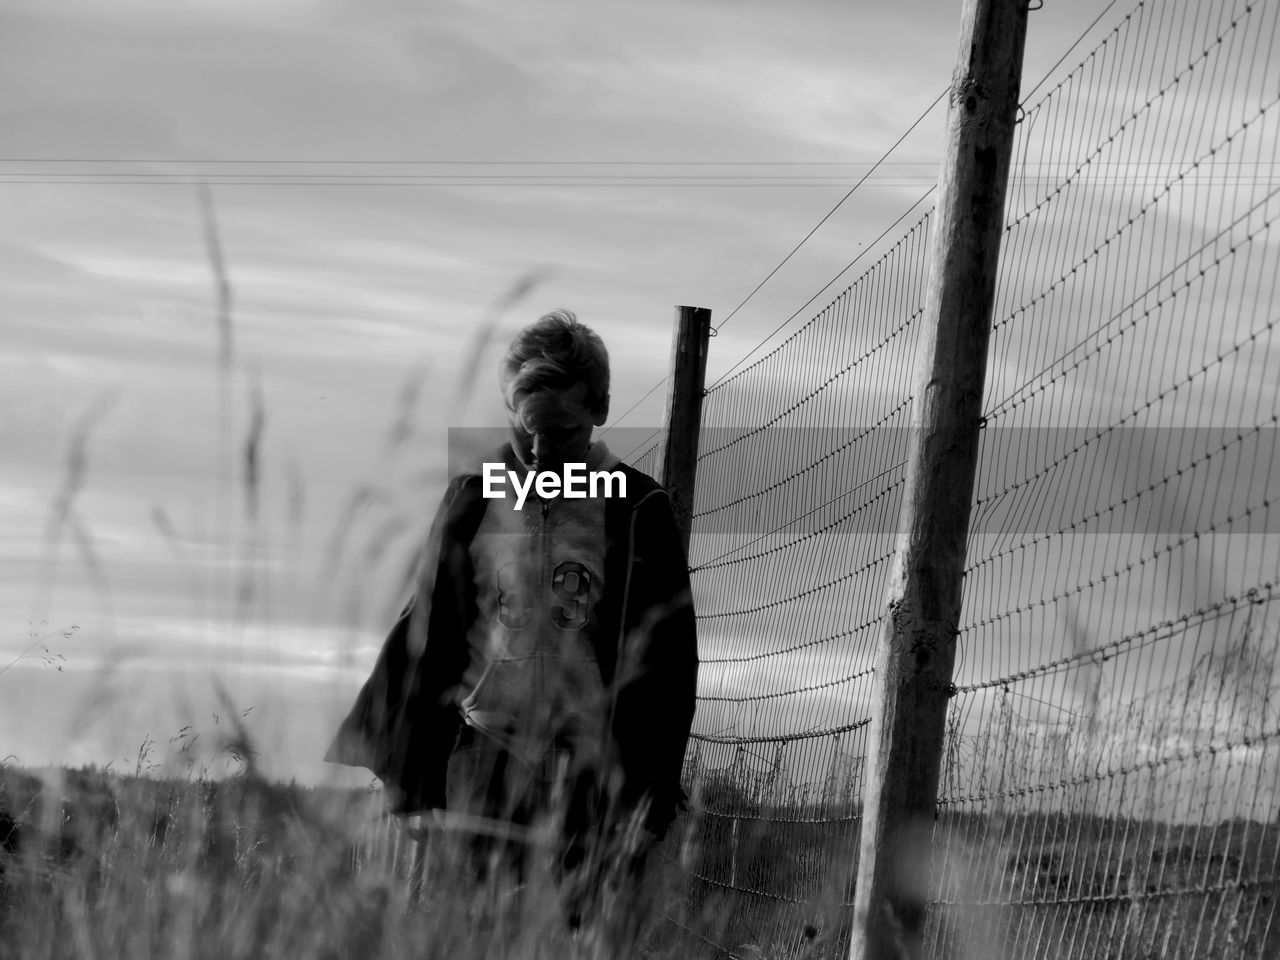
571 584
539 582
515 606
570 606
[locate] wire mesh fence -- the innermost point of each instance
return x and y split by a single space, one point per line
1111 783
1111 780
800 474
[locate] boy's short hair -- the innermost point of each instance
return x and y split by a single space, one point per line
556 353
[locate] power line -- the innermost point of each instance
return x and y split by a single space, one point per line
666 164
832 211
475 163
863 252
1066 53
629 409
882 160
462 182
806 238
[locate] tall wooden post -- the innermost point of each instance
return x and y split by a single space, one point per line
678 451
916 650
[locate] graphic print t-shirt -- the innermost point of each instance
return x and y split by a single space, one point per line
539 574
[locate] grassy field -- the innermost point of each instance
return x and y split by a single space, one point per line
98 865
1113 889
108 866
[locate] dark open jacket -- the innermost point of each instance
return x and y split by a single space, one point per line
406 718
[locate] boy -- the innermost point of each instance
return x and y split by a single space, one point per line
547 663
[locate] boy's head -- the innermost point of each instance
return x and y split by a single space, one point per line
555 380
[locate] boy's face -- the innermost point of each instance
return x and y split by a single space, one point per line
550 428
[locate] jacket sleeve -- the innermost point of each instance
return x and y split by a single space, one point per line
405 720
657 685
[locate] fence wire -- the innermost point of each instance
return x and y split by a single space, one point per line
1111 786
1111 782
1111 779
800 472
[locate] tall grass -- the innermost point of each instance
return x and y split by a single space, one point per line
129 867
101 865
187 858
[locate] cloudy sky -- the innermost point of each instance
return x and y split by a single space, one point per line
394 187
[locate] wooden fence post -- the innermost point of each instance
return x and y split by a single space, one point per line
677 462
916 650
